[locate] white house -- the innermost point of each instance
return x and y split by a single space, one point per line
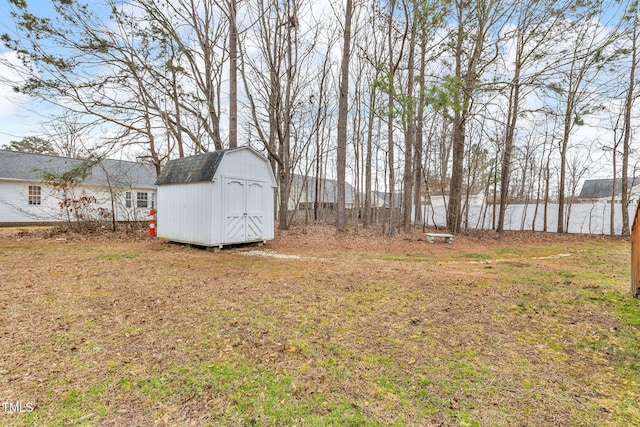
27 195
303 194
217 198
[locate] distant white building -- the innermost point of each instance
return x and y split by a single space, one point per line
476 198
304 189
26 197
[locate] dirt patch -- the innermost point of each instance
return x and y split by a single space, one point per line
324 239
65 233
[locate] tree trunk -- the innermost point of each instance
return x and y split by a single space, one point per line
512 118
627 130
612 213
233 76
467 78
419 143
341 158
390 115
563 171
454 217
366 218
410 134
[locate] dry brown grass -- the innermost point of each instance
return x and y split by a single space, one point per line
348 329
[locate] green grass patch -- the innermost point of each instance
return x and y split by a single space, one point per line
76 408
627 309
115 257
473 255
245 393
417 257
509 252
617 344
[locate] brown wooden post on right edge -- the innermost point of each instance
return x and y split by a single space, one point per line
635 254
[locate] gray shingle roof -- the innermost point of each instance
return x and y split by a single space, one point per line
602 188
29 167
199 168
328 189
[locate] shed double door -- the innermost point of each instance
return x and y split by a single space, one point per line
243 218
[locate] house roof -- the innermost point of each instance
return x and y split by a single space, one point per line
602 188
328 189
17 165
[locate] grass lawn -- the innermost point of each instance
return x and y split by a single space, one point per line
316 329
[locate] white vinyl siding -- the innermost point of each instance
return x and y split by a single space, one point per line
24 201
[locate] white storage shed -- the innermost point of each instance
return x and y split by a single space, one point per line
218 198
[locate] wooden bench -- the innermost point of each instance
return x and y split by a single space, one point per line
431 237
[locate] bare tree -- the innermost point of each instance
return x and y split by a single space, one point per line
202 55
409 116
425 31
275 85
575 91
389 87
68 134
233 73
628 106
533 34
144 60
474 24
371 49
341 223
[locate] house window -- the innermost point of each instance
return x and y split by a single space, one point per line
35 195
142 200
127 199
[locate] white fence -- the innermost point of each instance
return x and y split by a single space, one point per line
586 218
